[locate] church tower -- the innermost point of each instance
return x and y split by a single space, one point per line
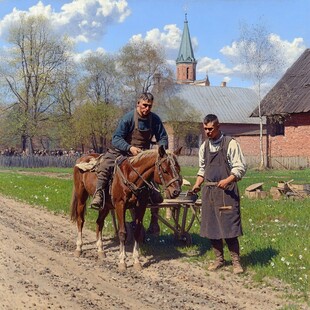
186 62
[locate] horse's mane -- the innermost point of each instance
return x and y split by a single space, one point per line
145 155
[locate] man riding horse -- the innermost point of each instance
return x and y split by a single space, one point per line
133 135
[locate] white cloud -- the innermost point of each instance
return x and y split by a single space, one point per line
82 20
169 39
215 66
289 51
78 57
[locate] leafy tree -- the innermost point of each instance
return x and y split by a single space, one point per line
98 90
88 124
184 128
37 58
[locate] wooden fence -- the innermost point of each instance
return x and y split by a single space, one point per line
191 161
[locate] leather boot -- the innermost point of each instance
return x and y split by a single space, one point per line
217 245
234 249
103 175
97 202
235 258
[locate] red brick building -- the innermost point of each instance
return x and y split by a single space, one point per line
287 110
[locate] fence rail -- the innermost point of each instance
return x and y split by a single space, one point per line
192 161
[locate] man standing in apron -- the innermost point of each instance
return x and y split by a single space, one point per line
133 135
221 165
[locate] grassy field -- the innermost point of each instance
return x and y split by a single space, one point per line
275 246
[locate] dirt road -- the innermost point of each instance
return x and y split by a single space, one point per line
38 270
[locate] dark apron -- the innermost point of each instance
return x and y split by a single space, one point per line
141 138
220 213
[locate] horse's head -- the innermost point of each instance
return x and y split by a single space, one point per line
167 173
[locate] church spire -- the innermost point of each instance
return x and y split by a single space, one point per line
186 62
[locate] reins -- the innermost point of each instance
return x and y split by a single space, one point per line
132 186
158 164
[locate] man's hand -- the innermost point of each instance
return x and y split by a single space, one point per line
225 182
135 150
195 189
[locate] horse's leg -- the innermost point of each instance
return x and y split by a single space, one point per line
120 212
81 204
139 212
100 223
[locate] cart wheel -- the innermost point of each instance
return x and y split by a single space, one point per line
186 238
130 233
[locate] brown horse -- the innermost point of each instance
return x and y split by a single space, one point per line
130 189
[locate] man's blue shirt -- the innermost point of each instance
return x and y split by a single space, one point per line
127 125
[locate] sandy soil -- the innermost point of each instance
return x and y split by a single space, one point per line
38 270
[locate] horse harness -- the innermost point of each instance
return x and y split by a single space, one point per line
149 186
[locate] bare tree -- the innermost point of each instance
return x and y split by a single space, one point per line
144 65
261 57
37 57
101 78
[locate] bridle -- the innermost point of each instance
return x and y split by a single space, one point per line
158 165
160 170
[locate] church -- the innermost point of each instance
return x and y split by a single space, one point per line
232 105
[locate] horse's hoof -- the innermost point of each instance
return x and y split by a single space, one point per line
137 266
122 267
77 253
101 255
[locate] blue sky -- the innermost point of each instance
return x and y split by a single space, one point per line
214 26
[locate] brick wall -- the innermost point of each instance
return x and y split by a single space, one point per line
182 70
249 143
296 139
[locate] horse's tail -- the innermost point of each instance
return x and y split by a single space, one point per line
77 180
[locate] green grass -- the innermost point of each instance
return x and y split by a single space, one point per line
275 245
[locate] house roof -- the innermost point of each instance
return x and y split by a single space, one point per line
231 104
292 92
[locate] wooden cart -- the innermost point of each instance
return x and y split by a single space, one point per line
184 211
